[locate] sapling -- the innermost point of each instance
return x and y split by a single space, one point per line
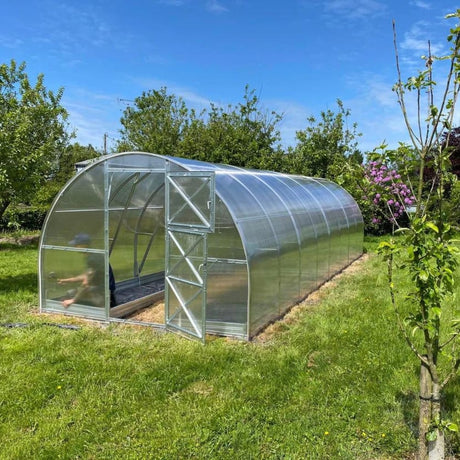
426 249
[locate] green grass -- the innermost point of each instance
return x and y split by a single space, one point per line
334 381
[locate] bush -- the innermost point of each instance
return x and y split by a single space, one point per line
22 217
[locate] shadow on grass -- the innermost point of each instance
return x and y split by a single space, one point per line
409 405
28 281
409 402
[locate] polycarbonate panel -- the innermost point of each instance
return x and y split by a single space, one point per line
237 198
186 254
306 231
191 200
80 209
87 191
58 267
355 219
227 297
264 271
225 242
136 161
305 187
287 237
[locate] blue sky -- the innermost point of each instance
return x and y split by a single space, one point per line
298 55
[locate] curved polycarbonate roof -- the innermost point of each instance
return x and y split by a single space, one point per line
308 228
276 238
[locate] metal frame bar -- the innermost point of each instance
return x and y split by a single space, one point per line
209 176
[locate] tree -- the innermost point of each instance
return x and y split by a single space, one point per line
242 136
33 130
426 250
156 123
323 147
61 171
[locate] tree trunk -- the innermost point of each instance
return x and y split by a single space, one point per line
424 412
436 447
4 203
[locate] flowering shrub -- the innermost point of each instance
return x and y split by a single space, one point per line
384 199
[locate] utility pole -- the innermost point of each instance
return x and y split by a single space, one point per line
105 144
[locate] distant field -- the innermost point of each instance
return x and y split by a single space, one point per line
333 380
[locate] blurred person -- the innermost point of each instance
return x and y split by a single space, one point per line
91 290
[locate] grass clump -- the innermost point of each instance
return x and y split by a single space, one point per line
332 380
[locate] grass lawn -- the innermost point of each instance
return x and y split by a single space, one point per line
333 380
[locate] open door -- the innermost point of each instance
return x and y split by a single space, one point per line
190 215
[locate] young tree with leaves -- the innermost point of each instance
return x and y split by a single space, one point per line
156 123
33 130
241 135
323 147
61 171
426 250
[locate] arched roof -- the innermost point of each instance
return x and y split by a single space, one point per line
294 231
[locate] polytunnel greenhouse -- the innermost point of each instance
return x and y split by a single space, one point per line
226 250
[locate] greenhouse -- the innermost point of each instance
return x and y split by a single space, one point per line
219 249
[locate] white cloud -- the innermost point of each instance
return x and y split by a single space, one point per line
294 119
10 42
416 39
421 4
188 95
355 9
216 7
68 30
92 115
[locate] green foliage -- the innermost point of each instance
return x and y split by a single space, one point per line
242 135
60 172
32 132
239 135
156 123
427 251
335 381
22 217
325 147
452 204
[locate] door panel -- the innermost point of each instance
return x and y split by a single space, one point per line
185 289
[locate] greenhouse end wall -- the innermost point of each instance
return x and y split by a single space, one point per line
263 240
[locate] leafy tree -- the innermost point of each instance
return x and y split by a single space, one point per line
32 132
156 123
61 171
324 147
241 135
426 250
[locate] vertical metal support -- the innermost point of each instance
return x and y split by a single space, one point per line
106 239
